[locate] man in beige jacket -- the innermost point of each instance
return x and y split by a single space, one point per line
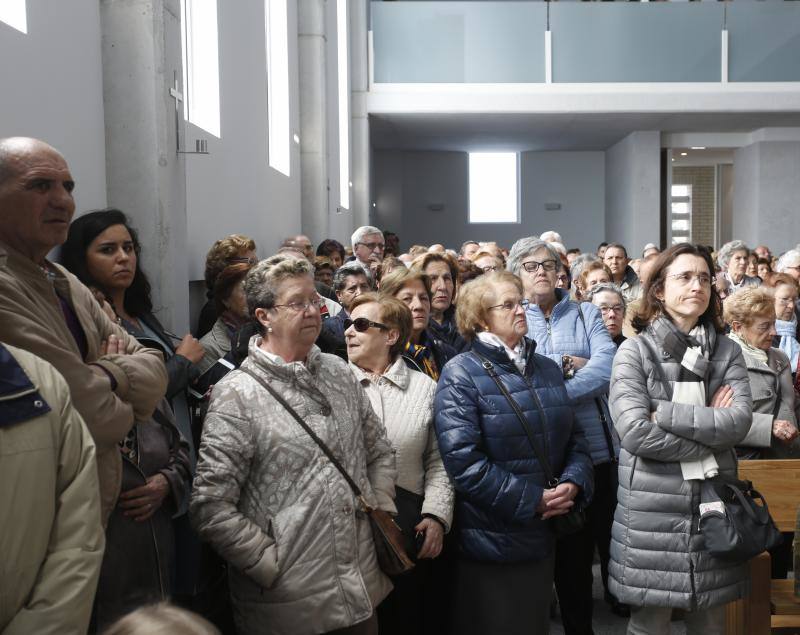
51 539
44 309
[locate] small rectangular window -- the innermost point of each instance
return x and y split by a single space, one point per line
681 214
277 39
14 14
201 64
493 187
342 56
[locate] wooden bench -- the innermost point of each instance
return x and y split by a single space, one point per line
771 605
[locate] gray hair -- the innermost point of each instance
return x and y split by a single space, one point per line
606 286
728 249
361 233
786 260
262 281
551 237
580 263
346 270
526 246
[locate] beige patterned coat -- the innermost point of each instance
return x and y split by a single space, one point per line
267 499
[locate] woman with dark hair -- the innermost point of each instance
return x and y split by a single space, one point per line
138 566
334 250
442 270
680 401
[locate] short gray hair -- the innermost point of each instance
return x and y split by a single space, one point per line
362 232
580 263
262 281
346 270
606 286
786 260
526 246
551 237
728 249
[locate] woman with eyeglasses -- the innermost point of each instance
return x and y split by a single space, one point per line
299 546
424 350
680 398
375 333
786 337
501 462
608 297
573 335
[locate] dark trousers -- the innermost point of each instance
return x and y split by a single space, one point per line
403 611
575 554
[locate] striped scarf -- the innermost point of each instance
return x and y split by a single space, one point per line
692 350
422 356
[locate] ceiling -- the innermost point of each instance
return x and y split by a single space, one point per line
541 132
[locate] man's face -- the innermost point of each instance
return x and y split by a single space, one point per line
370 249
36 204
616 260
763 252
793 269
304 244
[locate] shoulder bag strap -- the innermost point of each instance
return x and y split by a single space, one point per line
312 434
540 455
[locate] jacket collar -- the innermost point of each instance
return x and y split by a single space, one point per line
397 373
562 303
19 398
274 365
498 356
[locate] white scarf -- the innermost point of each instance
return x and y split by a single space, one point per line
516 354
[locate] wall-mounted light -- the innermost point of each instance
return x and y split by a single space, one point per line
552 207
436 207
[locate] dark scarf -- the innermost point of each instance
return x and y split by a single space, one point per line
694 365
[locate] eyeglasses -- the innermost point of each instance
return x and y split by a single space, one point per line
374 246
532 266
488 268
617 308
508 305
685 279
299 307
244 260
362 324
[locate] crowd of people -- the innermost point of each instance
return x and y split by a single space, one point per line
511 412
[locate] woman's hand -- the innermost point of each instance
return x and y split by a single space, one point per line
578 362
142 502
784 431
112 346
190 348
434 536
723 398
557 501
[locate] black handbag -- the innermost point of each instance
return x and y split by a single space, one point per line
574 520
386 533
734 526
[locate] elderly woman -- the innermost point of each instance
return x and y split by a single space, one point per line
574 337
786 338
591 274
680 400
504 573
442 271
299 547
751 316
403 399
733 259
423 351
349 282
487 261
608 297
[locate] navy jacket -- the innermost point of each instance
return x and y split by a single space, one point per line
498 480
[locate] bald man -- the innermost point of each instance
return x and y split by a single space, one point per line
44 309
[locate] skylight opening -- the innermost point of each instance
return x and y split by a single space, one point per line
200 43
14 14
493 187
278 114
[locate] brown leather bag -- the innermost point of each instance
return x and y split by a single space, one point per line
387 535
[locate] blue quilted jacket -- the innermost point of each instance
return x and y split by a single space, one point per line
498 480
565 333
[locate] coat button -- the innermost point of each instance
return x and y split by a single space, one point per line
38 403
326 411
347 510
768 393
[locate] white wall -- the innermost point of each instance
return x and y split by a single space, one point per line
406 183
766 203
233 190
632 190
52 89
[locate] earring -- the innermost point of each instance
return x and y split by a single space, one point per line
269 329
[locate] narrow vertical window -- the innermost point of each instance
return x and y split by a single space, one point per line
681 214
493 189
200 44
14 14
277 40
342 34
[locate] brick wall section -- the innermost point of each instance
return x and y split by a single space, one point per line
701 179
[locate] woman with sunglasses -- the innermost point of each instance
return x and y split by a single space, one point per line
501 463
375 333
573 335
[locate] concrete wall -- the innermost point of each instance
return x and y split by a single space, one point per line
233 190
633 190
405 184
52 88
766 203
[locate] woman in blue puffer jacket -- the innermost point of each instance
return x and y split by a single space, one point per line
504 570
573 335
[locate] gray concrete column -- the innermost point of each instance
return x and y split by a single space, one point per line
312 63
146 178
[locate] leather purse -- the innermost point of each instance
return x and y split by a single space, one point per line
734 526
386 533
574 520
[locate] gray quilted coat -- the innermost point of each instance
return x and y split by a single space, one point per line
302 559
657 555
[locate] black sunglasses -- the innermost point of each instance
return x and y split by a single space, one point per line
363 324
